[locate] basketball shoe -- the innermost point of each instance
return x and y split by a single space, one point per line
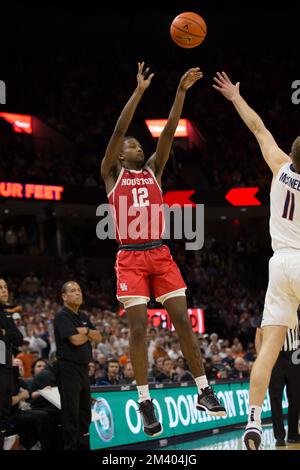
152 426
252 436
208 402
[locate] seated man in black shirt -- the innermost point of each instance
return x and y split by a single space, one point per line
73 333
10 337
46 378
34 421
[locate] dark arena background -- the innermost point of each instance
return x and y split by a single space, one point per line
66 73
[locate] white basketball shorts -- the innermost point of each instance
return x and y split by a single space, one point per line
283 293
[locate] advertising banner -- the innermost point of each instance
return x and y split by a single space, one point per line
117 422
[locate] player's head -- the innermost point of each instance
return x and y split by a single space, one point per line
295 154
132 153
3 292
71 293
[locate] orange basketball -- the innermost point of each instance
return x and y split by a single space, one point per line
188 30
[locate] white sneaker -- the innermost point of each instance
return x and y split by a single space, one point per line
252 436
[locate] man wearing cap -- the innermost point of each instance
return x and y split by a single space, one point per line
10 336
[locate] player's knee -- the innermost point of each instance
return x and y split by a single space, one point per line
268 356
138 331
181 321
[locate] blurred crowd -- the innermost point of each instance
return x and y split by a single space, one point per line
217 282
37 420
224 358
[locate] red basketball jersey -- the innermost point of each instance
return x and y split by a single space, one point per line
137 206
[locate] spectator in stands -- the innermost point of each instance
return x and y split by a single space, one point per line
125 357
92 370
36 343
128 374
182 375
27 359
106 345
38 366
159 351
124 339
20 421
19 323
250 355
229 358
241 369
174 353
167 374
48 415
157 368
112 375
238 350
101 361
218 370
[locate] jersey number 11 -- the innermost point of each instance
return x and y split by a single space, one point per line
289 206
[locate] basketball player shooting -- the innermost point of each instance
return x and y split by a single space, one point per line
144 264
283 293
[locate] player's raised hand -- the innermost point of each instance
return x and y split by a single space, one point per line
143 77
189 78
226 87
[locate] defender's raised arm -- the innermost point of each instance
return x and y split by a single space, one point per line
272 154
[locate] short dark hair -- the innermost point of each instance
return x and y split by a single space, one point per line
167 359
40 359
64 288
295 153
112 360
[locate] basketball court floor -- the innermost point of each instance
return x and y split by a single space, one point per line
231 441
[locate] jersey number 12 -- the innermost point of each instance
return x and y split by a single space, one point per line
140 197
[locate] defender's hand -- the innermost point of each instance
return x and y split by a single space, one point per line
226 87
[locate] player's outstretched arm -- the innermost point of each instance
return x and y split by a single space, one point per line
111 158
272 154
158 160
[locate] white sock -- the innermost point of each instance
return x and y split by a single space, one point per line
254 414
201 383
143 391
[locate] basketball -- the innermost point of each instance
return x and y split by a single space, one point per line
188 30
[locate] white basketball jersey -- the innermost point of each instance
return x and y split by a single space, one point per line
285 210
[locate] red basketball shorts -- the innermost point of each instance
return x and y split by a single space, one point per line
149 272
